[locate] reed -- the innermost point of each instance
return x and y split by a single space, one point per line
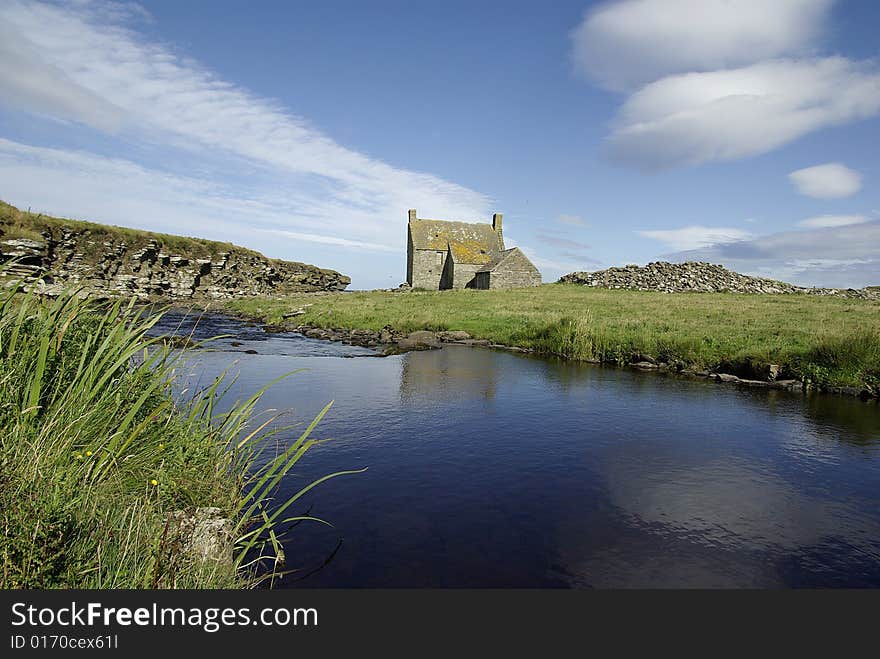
101 464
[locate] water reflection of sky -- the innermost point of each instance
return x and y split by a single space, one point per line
493 469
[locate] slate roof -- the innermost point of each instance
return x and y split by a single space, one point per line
500 258
476 243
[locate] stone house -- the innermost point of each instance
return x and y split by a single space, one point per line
442 255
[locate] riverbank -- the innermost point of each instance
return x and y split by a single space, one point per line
825 343
107 480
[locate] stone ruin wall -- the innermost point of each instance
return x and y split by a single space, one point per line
57 261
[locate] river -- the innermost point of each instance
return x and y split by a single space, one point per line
492 469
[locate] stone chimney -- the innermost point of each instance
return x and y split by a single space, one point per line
496 224
412 214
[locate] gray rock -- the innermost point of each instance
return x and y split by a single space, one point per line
453 335
475 342
204 534
422 337
415 344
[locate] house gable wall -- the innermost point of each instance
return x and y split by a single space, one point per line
427 269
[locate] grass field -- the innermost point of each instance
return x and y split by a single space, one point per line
822 340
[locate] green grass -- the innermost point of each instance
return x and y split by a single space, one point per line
97 457
15 223
825 341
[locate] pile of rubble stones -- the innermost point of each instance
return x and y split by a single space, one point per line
699 277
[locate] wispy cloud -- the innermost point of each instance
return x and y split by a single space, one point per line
824 221
85 62
556 240
30 83
696 236
330 240
832 180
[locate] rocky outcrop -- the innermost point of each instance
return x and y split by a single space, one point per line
109 262
698 277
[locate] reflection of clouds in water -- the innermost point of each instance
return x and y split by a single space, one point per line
726 503
719 523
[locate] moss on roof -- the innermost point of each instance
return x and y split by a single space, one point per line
470 251
475 243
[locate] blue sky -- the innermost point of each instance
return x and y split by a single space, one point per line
741 132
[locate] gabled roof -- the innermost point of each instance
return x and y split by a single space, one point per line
512 254
475 243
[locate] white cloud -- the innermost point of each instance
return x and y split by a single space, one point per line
725 115
824 221
30 83
829 181
632 42
82 66
329 240
715 80
560 241
695 237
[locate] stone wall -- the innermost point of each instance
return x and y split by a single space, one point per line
108 267
512 278
464 274
427 269
699 277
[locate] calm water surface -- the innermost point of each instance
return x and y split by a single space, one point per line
489 469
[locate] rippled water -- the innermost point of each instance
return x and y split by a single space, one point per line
489 469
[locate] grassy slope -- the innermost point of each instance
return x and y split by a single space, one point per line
15 223
825 340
